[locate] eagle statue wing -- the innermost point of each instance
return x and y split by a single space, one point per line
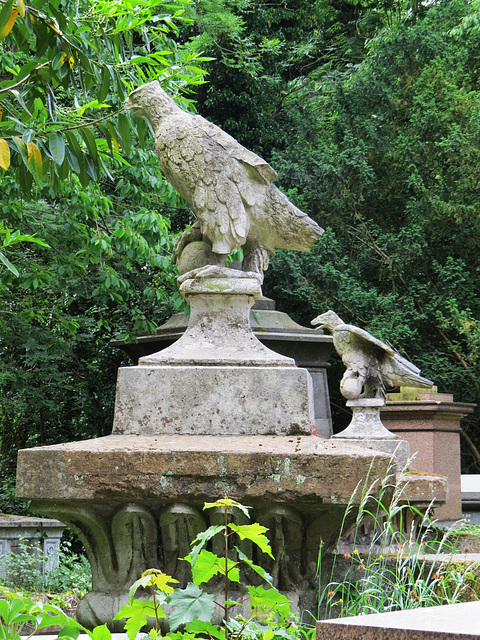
218 177
367 353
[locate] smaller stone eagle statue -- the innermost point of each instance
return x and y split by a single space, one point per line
371 364
228 188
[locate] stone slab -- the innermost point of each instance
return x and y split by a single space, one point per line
213 400
299 469
395 447
450 622
470 488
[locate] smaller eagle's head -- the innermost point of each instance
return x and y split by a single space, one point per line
328 320
150 101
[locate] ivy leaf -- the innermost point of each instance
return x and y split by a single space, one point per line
261 572
191 604
225 503
265 600
254 532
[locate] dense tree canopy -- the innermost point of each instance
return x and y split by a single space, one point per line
368 110
386 161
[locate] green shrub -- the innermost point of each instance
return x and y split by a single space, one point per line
25 569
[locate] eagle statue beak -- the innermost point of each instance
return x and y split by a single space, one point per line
319 322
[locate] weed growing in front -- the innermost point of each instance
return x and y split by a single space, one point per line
193 609
25 570
396 566
188 613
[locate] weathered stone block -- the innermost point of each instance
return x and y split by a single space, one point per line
213 401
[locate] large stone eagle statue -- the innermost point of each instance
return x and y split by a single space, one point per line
228 188
371 364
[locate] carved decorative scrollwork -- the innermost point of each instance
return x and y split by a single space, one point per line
122 541
286 531
179 526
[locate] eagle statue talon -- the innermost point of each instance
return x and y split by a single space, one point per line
229 188
371 364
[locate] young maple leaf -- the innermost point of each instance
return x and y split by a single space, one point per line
225 503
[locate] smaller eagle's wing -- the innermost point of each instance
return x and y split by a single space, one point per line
393 369
397 371
350 346
363 335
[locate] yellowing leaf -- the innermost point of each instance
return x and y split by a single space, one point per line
54 28
4 154
225 503
34 154
1 113
9 25
35 162
21 8
160 581
69 59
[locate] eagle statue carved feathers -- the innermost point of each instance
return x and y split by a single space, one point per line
371 364
229 188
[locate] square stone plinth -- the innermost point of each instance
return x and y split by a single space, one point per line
213 400
294 469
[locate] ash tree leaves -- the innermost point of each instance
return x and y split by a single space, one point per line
68 68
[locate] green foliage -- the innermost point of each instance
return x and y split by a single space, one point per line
107 274
18 612
24 569
67 70
384 157
389 569
192 608
87 217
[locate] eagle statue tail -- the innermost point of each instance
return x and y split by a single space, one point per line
297 230
402 372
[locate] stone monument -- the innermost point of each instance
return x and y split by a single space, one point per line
371 366
216 413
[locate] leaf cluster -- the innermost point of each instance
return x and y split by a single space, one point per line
192 609
68 69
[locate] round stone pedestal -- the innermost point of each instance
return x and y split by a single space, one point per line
367 430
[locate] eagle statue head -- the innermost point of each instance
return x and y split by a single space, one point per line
150 101
328 320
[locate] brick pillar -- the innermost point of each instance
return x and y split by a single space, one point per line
430 422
